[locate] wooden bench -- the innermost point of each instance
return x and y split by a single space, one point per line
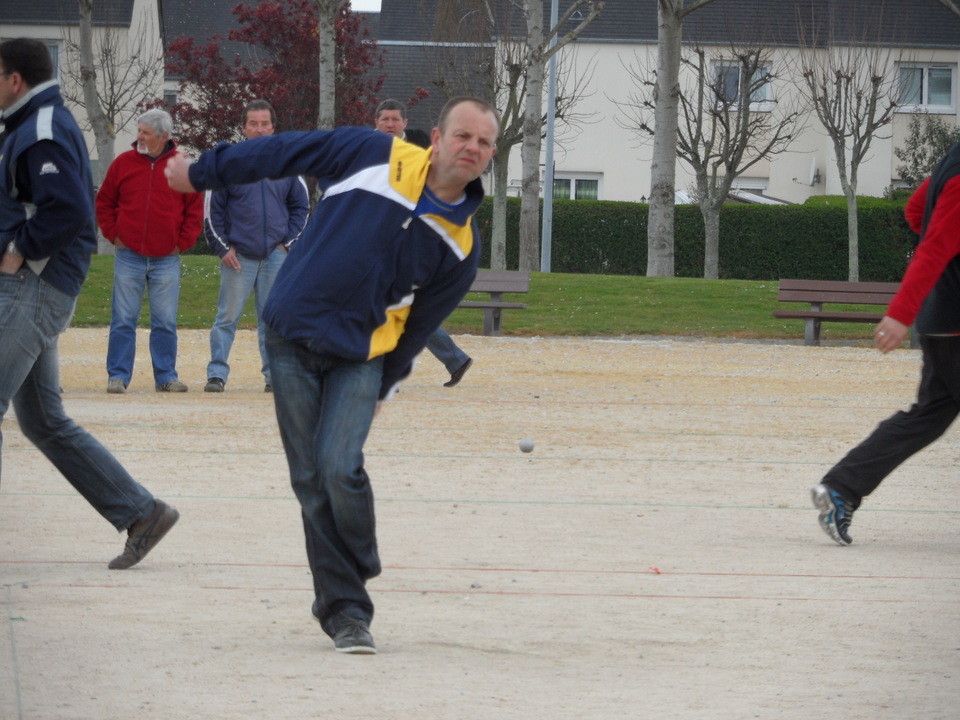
820 292
495 283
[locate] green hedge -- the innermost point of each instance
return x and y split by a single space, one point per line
757 242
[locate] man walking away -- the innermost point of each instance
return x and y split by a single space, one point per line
47 235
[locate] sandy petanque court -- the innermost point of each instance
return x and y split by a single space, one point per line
656 556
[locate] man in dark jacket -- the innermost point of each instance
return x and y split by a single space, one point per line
47 236
251 227
929 297
390 251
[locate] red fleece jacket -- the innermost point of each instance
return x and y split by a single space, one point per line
136 206
941 243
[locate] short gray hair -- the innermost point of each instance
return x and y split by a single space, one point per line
158 120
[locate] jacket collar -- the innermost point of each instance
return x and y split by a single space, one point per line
42 94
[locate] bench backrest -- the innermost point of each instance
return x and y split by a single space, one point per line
837 291
501 281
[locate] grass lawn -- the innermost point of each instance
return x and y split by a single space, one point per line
558 304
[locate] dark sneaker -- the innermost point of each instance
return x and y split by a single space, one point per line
144 534
457 375
172 386
214 385
114 387
836 512
354 637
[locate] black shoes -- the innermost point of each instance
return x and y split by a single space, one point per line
457 375
214 385
353 636
144 534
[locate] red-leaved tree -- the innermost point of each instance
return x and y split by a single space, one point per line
282 40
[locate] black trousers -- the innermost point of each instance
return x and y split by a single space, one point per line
906 432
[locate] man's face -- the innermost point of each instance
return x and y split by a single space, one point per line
391 122
468 142
149 142
258 124
12 88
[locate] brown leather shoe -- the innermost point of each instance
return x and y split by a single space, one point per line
144 534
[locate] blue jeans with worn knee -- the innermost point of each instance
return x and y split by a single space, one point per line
325 406
255 276
160 277
32 316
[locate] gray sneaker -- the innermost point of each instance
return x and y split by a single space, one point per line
172 386
144 534
836 512
354 637
116 387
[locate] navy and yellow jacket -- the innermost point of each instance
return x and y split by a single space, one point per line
380 264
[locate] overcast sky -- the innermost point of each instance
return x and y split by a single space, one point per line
365 5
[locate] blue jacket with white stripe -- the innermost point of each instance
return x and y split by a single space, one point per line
46 189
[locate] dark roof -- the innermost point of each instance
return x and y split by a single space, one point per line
918 23
201 20
63 12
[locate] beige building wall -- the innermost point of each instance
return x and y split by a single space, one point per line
600 146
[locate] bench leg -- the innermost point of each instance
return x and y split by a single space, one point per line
491 321
811 332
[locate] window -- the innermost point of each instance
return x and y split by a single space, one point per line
54 49
930 88
170 98
727 85
577 187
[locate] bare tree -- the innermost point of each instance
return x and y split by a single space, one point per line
468 60
111 74
853 91
327 62
540 46
663 173
729 122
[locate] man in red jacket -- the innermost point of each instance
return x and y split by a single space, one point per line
929 297
150 225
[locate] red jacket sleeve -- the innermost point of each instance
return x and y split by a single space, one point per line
940 244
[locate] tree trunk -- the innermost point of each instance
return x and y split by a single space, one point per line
498 234
103 131
663 170
327 64
711 248
530 148
853 234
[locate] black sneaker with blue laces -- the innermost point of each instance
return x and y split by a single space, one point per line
836 512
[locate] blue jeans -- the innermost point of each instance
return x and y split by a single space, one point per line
32 316
132 273
446 350
235 287
325 406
